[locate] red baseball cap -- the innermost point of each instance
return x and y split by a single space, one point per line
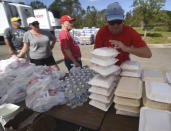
66 18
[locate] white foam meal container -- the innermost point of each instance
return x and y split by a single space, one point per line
154 120
158 91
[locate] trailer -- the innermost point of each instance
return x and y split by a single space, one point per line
9 10
46 19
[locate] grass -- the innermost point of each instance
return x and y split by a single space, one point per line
155 37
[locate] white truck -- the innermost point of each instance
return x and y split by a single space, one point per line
46 19
9 10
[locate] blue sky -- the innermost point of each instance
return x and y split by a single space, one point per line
126 4
102 4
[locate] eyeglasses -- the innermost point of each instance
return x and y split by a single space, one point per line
35 23
113 22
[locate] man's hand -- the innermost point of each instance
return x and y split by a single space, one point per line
119 44
52 46
15 57
11 51
77 64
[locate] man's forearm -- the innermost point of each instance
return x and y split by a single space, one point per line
23 50
141 51
69 54
53 42
8 45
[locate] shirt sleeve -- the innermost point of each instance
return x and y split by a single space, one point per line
7 33
137 40
26 38
99 40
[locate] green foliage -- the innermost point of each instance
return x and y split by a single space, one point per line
160 28
37 5
84 18
154 34
169 26
22 3
147 11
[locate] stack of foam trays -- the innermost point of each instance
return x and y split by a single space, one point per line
103 84
128 93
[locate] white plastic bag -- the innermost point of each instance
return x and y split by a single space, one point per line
48 100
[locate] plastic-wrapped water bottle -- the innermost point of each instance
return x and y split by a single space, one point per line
76 90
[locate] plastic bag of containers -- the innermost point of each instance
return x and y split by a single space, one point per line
45 94
47 100
14 94
3 86
5 63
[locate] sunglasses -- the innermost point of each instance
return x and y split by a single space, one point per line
113 22
19 21
35 23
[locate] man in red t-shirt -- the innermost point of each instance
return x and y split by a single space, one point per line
124 38
69 48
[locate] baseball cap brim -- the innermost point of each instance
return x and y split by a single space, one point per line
72 19
30 20
14 19
66 18
114 17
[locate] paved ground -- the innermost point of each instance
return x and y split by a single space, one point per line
161 58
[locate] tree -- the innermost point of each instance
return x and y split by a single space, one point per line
128 19
100 19
37 5
91 17
148 10
22 3
69 7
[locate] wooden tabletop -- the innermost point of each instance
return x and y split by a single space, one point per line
86 115
113 122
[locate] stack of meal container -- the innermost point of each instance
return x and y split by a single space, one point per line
157 101
129 90
152 75
157 93
131 69
104 83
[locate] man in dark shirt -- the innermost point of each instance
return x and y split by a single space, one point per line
13 36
